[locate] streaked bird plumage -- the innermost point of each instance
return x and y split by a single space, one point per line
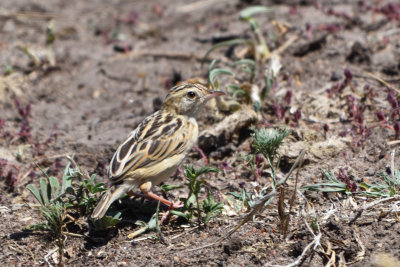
154 150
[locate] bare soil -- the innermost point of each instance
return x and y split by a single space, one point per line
111 65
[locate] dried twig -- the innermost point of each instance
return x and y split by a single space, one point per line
361 254
257 208
370 205
196 6
29 14
285 218
383 82
315 242
73 234
172 55
394 142
285 45
48 255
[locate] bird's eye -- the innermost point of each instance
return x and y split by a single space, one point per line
191 94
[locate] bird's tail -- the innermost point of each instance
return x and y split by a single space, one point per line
108 198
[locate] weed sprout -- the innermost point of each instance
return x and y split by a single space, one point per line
191 204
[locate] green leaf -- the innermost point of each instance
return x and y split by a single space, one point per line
246 13
249 66
197 187
169 187
55 187
218 206
143 228
214 73
9 69
267 141
180 214
190 173
115 219
214 210
236 195
107 221
100 187
236 91
38 227
207 218
153 221
326 187
254 24
245 61
92 177
191 200
66 179
35 192
206 169
44 189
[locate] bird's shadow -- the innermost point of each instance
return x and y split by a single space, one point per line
16 236
132 211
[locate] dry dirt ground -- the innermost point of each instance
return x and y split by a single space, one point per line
111 64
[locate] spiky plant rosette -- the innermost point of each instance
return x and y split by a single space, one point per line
267 141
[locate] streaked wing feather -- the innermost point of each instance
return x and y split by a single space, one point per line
159 136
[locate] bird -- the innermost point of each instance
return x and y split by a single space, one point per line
155 149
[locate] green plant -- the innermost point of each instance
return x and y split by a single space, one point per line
52 208
153 224
250 91
389 187
245 197
75 193
210 207
267 141
211 76
9 69
82 196
258 44
331 185
192 202
247 91
214 72
107 221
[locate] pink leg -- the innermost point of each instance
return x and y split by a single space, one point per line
170 204
150 195
203 156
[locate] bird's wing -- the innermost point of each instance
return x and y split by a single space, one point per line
158 137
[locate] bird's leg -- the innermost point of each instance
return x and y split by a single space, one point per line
170 204
145 188
203 156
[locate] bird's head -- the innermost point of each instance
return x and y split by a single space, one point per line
188 98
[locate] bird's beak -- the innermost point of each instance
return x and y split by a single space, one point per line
217 93
212 94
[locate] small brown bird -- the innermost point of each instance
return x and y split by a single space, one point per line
155 149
